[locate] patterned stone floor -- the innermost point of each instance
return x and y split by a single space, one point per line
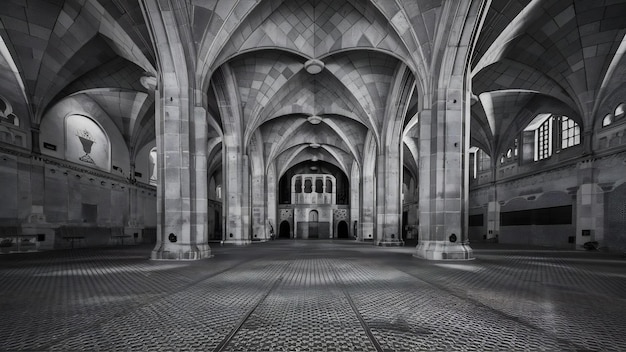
313 296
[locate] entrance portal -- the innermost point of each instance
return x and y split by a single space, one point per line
285 230
313 224
342 230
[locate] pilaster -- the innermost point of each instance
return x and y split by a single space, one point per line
589 205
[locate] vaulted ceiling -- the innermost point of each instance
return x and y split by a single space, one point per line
550 56
530 55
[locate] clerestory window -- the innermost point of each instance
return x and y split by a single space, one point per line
553 133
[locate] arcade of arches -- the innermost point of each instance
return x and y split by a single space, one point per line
186 123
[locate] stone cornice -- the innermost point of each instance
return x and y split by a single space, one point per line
67 165
612 153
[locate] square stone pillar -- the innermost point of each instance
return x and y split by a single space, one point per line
442 180
368 202
237 197
259 216
493 215
355 182
181 180
389 199
589 206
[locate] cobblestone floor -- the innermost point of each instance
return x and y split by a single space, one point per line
313 296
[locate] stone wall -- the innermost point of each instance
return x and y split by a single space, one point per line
48 196
592 188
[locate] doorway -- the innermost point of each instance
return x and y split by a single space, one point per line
285 230
313 224
342 230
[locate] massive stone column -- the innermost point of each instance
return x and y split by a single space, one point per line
236 198
389 168
181 181
181 141
236 166
368 191
355 182
389 197
589 205
444 136
273 221
442 180
199 182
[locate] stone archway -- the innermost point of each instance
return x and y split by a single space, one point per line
313 224
285 230
342 230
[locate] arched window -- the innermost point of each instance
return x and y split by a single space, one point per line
319 185
6 113
218 191
479 160
298 185
620 110
607 120
543 140
153 166
553 132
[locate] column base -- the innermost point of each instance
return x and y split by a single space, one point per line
443 250
174 251
237 242
391 243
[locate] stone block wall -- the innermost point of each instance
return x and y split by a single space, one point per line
592 188
42 195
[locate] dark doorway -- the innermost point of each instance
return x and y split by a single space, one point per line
313 224
342 230
284 231
217 226
405 221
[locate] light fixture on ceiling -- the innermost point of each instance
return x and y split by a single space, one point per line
314 145
314 120
314 66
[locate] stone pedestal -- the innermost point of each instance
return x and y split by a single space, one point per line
181 251
236 241
391 243
443 250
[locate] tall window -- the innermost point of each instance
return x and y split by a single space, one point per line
620 110
570 133
479 160
153 166
551 134
543 140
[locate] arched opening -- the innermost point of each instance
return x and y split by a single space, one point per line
342 230
217 225
153 166
285 230
313 191
313 224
